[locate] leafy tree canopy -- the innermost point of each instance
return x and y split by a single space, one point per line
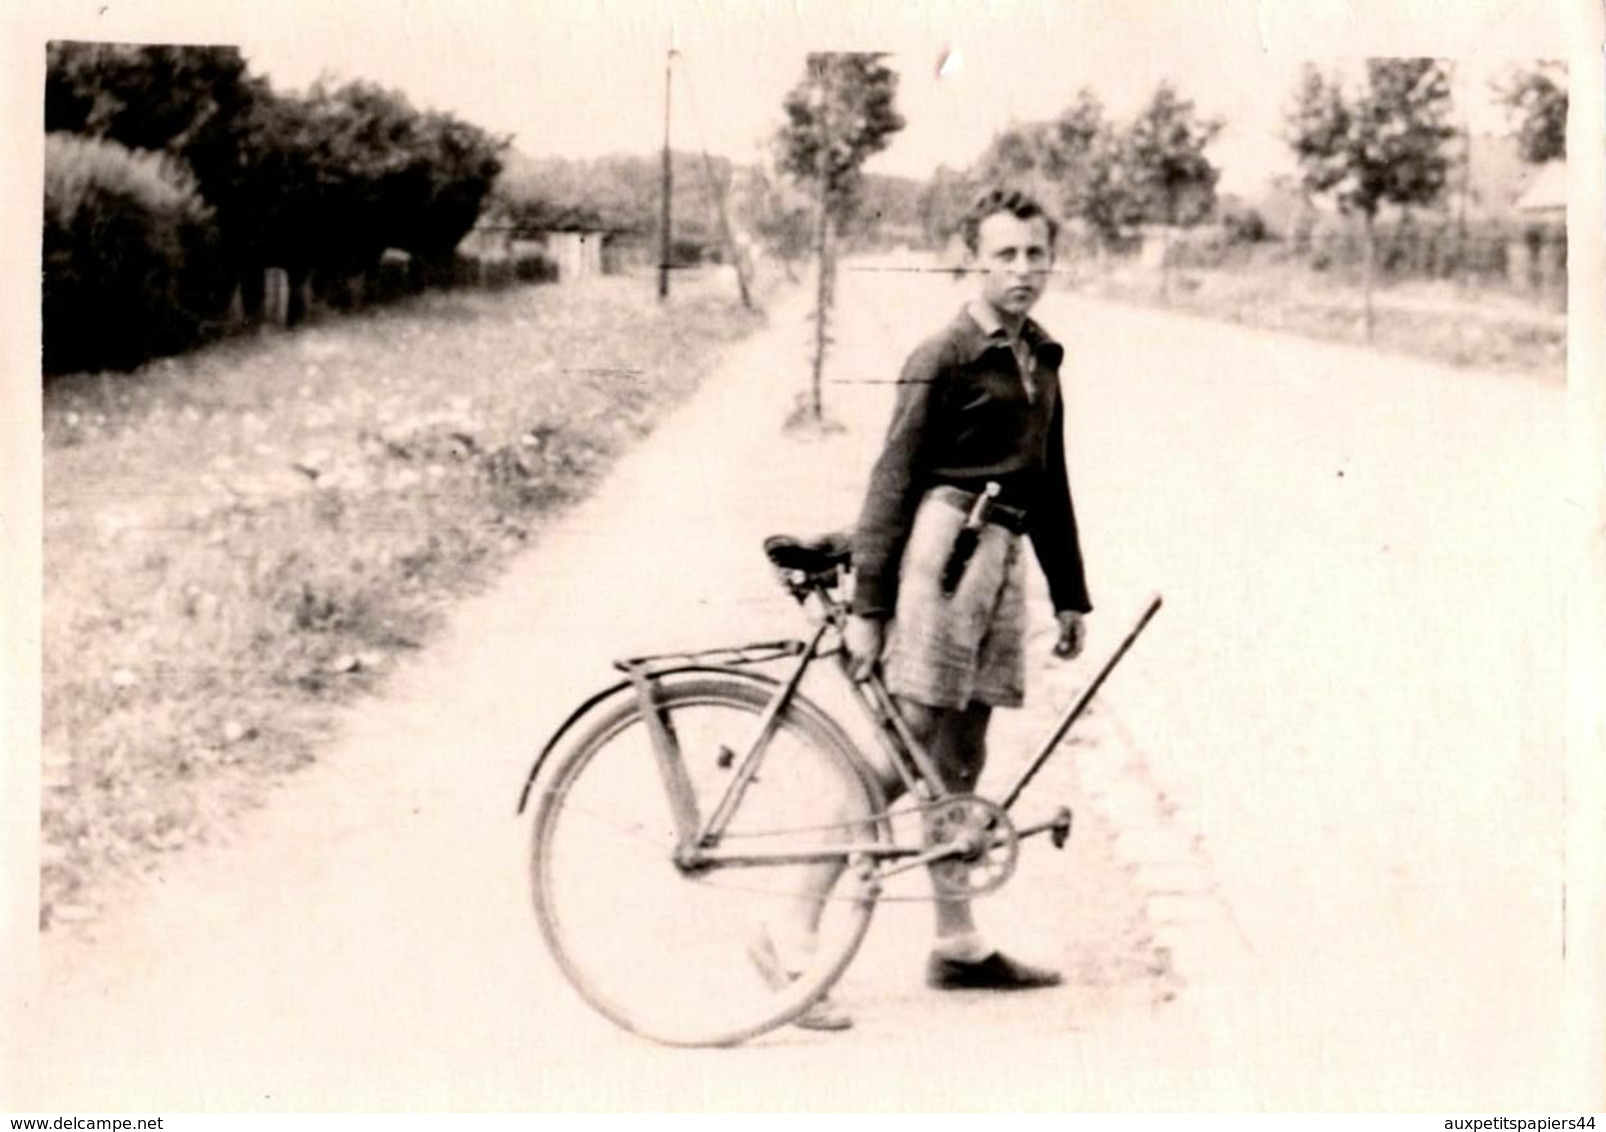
332 176
1536 99
1170 176
840 113
1381 143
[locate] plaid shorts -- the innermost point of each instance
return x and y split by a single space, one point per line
951 651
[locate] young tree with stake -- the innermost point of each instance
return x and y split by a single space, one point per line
837 116
1381 144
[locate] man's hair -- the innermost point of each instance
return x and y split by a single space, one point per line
1012 201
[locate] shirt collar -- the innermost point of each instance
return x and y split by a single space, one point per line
979 330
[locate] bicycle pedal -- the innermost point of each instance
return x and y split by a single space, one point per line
1061 831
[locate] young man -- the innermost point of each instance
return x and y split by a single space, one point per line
978 403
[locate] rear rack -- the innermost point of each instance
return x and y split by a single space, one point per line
760 653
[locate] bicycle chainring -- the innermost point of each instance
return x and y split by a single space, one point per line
991 851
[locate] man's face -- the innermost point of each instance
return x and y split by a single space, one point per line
1013 257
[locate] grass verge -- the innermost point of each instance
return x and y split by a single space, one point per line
1481 329
242 539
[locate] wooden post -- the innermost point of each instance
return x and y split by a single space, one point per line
276 297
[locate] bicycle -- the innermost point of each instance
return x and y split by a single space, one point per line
755 785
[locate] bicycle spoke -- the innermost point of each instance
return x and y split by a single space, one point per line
636 831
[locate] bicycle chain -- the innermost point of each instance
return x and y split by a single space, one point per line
982 871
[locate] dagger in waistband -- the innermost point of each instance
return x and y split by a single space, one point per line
967 538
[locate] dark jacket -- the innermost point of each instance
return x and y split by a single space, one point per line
963 416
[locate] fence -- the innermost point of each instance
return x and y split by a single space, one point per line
1523 256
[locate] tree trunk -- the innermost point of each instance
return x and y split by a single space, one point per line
1371 270
1165 264
824 292
727 234
1165 250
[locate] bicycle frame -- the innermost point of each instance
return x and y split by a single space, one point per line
698 841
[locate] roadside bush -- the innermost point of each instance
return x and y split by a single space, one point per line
1244 226
1432 247
1205 247
332 178
128 246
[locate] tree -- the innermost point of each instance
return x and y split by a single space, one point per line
888 212
1381 144
1173 181
1092 163
187 103
174 100
943 200
620 192
1537 99
327 179
330 178
1077 164
838 115
1024 156
777 216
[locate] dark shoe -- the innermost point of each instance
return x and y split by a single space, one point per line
996 972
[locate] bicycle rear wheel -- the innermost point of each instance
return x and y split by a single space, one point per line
671 955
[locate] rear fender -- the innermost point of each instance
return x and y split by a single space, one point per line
607 694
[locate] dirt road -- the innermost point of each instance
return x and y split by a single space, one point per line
1323 800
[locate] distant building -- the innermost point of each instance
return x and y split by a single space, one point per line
577 252
1545 198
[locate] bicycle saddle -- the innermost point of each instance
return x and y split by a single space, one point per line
812 556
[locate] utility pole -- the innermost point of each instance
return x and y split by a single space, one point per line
663 223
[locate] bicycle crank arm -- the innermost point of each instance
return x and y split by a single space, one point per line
1057 827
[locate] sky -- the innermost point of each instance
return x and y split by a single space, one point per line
582 78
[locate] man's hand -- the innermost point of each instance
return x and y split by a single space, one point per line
863 638
1073 634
